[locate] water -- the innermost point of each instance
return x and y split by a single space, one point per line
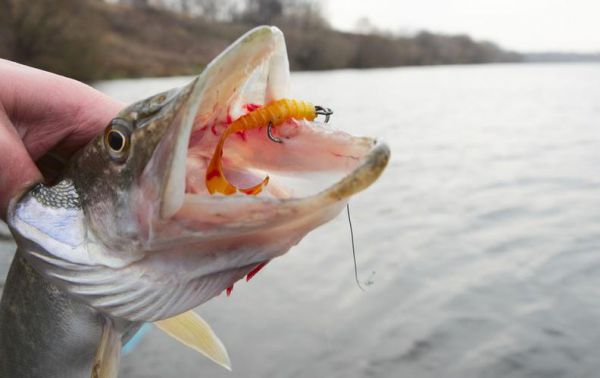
483 234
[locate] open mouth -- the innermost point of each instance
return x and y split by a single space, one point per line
314 166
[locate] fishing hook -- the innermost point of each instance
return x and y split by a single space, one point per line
327 112
319 110
270 134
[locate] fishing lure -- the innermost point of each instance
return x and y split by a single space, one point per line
272 114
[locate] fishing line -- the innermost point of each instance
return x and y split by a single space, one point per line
353 249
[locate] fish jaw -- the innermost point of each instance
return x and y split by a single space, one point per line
252 72
204 238
214 98
153 242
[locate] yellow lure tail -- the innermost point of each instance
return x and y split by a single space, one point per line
193 331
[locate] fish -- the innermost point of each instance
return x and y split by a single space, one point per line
128 233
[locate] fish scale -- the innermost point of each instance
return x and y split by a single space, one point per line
62 195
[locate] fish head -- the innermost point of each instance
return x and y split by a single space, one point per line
144 239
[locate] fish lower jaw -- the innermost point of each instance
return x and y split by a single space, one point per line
275 217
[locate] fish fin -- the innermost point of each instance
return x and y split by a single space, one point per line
193 331
106 360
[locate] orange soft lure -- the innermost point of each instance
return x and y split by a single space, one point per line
274 113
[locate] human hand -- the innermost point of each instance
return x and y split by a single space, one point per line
43 113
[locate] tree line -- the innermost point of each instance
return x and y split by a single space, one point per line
91 39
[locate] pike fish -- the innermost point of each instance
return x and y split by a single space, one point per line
129 233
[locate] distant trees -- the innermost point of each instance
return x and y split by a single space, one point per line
87 39
211 9
50 34
299 12
457 49
137 3
262 11
305 14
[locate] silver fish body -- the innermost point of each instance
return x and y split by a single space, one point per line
44 331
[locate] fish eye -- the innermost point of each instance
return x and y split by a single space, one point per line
117 139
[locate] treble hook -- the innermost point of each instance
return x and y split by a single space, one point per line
270 134
319 110
327 112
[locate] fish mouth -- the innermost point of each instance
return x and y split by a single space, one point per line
312 172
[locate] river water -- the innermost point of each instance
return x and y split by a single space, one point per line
482 239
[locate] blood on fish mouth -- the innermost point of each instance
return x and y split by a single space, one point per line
249 276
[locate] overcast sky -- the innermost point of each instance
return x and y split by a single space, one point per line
524 25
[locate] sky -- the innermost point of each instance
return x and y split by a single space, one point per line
522 25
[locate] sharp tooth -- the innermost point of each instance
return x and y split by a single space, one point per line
278 84
175 188
253 91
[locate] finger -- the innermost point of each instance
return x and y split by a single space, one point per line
51 112
17 169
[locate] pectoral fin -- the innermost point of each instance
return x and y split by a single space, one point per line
106 360
191 330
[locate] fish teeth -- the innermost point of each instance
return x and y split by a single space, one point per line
278 82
